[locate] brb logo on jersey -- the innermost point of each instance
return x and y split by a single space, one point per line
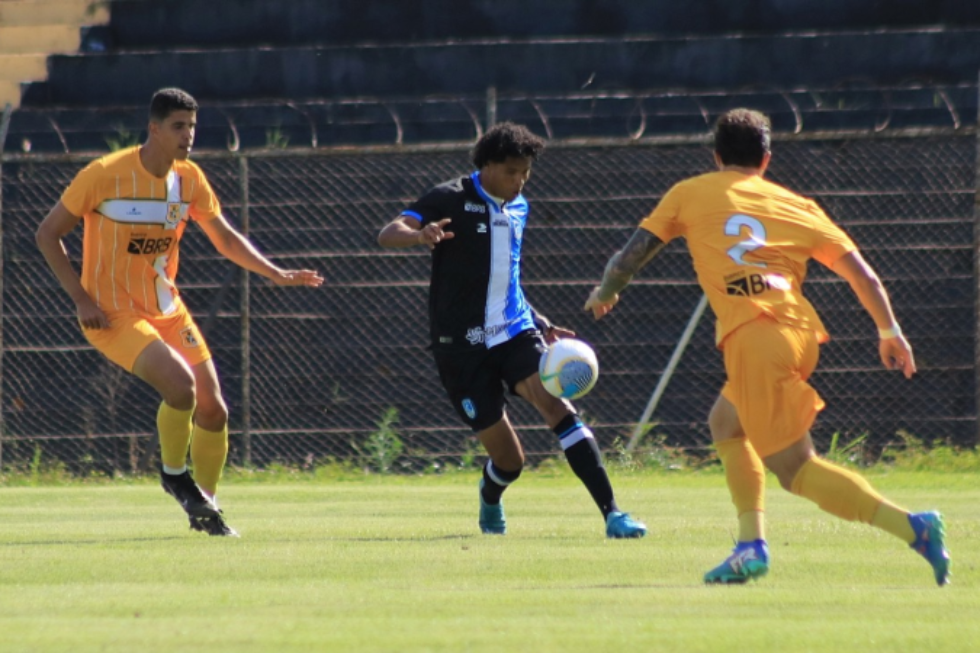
149 245
746 285
473 207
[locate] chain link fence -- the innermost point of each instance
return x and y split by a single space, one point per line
310 374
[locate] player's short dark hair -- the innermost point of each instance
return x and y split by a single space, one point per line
167 100
742 137
505 140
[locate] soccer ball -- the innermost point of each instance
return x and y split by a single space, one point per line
569 369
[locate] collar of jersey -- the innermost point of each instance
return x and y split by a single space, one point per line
497 204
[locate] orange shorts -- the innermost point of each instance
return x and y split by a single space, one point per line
130 333
768 365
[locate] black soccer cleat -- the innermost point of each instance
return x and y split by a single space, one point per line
213 526
190 497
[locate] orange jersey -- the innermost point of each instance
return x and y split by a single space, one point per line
133 224
750 240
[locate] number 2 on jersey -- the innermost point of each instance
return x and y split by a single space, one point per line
756 239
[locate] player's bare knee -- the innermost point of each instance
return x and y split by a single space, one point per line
180 397
723 422
212 415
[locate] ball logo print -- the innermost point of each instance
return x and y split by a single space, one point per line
569 369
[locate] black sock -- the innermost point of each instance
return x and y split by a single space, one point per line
495 481
586 461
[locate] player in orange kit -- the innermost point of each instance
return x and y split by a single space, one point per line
135 204
750 241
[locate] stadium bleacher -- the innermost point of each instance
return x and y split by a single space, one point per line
346 72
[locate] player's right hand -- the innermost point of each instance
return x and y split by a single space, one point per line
90 316
896 354
434 233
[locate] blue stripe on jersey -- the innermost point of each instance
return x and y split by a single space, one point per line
413 214
507 313
517 313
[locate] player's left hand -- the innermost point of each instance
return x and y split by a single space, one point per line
598 307
896 354
556 333
309 278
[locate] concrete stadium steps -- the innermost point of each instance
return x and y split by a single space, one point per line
621 114
935 55
30 30
136 23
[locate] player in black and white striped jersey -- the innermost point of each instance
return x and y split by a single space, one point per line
484 333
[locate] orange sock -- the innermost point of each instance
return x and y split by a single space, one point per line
209 449
746 477
836 490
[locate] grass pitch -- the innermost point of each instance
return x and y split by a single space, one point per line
398 564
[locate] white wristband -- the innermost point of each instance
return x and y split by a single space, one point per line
892 332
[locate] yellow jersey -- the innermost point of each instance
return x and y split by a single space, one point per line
133 224
750 240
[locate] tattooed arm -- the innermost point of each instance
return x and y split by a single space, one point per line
640 249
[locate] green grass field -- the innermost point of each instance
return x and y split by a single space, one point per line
397 564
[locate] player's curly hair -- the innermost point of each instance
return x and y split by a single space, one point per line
167 100
504 140
742 137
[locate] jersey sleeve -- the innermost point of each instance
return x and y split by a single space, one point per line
204 203
664 221
832 242
82 195
431 207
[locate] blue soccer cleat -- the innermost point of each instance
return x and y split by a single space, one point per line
930 543
492 520
619 525
748 560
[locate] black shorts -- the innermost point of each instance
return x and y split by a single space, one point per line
475 380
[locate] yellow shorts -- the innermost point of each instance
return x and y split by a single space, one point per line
768 365
130 333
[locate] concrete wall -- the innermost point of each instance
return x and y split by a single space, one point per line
136 23
938 56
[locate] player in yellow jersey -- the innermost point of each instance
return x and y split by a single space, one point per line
750 241
135 204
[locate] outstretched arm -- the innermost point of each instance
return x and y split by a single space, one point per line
237 249
640 249
55 226
404 231
894 349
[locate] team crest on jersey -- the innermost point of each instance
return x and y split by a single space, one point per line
469 408
175 212
188 337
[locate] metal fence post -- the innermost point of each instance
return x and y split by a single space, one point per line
976 268
4 124
245 325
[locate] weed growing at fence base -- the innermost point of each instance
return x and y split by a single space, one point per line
391 563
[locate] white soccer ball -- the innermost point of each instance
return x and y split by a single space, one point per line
569 369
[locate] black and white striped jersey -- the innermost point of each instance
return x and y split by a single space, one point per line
475 295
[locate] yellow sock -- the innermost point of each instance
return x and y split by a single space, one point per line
892 519
836 490
746 477
209 449
174 427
